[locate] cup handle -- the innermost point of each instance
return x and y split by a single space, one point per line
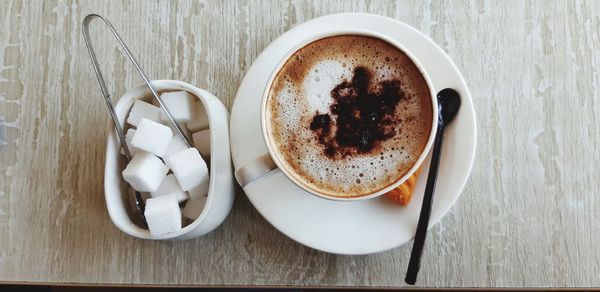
254 169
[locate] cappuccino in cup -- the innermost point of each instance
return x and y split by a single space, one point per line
348 115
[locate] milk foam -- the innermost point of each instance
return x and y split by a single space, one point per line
298 97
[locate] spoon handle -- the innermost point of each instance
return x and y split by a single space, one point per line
415 257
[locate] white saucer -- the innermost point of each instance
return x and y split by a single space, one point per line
359 227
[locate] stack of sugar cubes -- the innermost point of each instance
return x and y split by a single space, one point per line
162 163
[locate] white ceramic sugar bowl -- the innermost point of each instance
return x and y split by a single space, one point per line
221 191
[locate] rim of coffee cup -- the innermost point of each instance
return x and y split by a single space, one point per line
303 43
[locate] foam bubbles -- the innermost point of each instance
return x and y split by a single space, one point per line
308 91
319 82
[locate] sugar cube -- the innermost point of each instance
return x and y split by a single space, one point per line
193 208
200 120
184 129
128 137
189 168
145 172
200 191
177 145
170 186
163 215
152 137
202 141
180 105
141 110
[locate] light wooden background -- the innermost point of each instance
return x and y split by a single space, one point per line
529 215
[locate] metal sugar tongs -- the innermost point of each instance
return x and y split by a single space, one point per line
139 202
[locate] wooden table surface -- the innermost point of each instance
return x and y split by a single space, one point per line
529 215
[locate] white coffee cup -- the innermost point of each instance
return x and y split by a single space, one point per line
255 169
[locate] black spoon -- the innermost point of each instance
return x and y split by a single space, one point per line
448 105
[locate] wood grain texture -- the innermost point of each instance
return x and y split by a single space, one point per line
528 216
